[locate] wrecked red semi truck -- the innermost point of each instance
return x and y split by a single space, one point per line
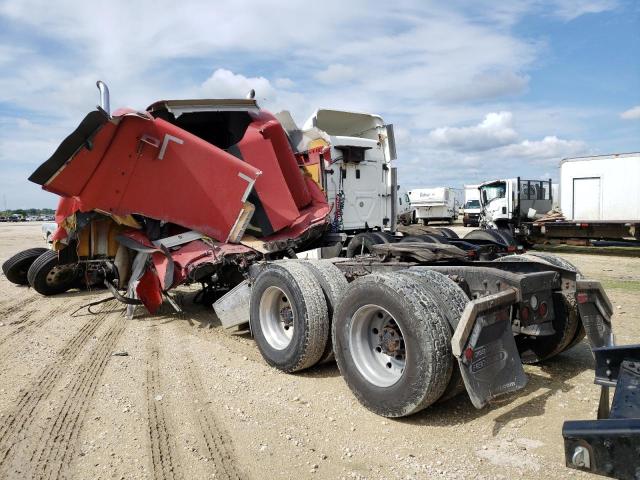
217 192
237 184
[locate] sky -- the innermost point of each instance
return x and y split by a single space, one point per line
476 89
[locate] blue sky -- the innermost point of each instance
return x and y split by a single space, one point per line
476 89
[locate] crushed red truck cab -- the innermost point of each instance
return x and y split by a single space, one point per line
192 163
222 168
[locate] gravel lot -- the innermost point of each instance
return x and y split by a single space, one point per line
185 400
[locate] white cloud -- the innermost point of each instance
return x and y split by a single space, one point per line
631 114
495 130
550 148
572 9
490 149
284 83
224 83
496 137
423 65
336 73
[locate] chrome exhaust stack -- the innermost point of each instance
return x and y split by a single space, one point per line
104 96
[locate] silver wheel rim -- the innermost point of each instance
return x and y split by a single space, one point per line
277 318
377 345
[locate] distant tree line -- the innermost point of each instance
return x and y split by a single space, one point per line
28 212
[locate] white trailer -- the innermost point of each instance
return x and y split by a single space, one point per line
433 204
599 198
603 187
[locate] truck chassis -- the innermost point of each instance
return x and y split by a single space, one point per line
451 324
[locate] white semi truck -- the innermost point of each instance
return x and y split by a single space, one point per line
356 151
433 204
471 209
508 202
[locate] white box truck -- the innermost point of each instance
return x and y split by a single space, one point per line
433 204
599 198
603 187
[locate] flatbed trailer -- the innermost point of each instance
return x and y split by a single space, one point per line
563 231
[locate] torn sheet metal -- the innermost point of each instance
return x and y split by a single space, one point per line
134 164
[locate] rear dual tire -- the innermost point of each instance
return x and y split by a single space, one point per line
391 333
452 301
389 378
333 285
361 243
568 328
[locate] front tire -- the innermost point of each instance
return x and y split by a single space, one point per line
288 316
16 267
48 277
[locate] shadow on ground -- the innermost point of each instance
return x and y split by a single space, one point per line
555 377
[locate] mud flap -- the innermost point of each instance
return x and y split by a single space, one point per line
485 349
595 312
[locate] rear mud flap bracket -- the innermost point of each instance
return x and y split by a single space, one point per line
595 312
485 349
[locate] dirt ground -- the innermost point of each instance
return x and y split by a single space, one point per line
174 397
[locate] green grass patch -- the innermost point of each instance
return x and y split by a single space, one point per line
612 251
625 285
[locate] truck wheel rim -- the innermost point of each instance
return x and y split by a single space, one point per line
277 318
377 345
60 274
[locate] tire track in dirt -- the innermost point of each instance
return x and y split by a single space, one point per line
27 320
18 420
23 317
56 447
214 436
12 305
163 452
29 326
